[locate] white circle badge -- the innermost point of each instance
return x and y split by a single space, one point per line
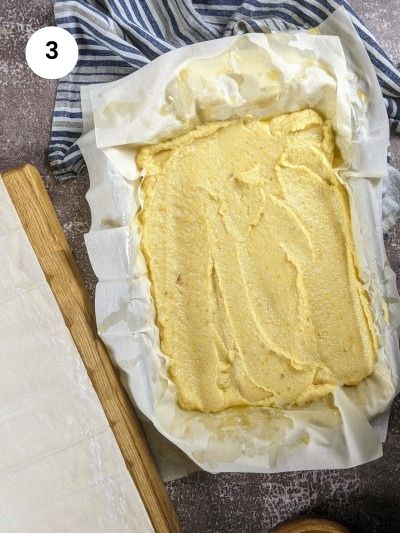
51 52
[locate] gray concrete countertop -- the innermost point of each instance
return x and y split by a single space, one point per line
366 498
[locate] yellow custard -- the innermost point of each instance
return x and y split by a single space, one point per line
246 231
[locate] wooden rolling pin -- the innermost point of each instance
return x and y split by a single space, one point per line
309 525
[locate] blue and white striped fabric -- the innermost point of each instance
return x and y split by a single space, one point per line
116 37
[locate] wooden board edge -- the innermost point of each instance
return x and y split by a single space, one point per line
35 210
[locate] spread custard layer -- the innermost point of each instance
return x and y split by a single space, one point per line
246 231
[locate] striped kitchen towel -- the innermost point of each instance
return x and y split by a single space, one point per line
116 37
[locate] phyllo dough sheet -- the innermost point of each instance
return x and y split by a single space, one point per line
236 199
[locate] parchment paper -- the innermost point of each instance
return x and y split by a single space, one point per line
257 75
